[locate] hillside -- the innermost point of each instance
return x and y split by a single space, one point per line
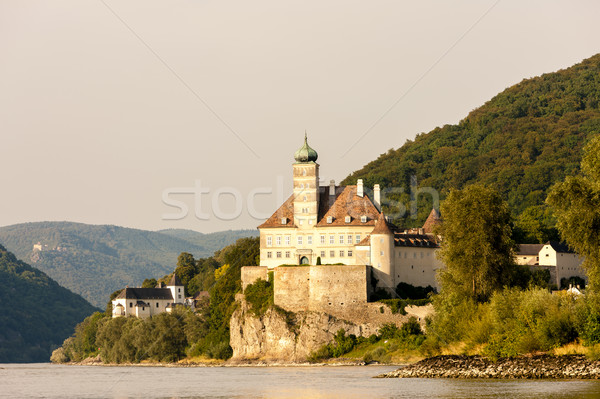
37 313
520 142
94 261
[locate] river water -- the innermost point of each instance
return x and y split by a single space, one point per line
54 381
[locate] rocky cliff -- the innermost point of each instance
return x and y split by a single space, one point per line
288 337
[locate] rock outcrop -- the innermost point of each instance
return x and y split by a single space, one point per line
285 336
526 367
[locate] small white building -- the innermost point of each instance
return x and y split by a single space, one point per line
147 302
558 258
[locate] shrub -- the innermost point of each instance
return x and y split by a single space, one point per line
409 291
259 296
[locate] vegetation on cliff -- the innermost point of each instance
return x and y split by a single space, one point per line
93 261
520 143
37 313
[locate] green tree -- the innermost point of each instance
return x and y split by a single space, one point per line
186 268
149 283
476 248
576 205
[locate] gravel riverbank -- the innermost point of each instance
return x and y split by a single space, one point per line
526 367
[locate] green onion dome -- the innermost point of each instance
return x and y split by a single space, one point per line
305 153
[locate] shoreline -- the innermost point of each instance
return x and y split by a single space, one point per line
523 367
230 363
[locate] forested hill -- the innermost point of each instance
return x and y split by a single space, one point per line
94 260
520 142
37 313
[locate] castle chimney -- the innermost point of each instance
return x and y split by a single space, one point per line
377 197
331 187
359 188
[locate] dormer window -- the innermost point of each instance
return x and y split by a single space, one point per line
348 219
329 219
283 220
363 219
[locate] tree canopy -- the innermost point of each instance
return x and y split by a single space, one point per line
576 204
476 246
520 143
37 313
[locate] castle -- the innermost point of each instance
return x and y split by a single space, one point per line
344 226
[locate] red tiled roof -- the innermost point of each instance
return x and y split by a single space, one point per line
286 210
415 240
381 227
432 221
365 241
346 203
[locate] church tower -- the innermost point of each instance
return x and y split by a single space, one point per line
306 187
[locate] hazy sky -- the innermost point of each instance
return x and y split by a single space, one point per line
106 105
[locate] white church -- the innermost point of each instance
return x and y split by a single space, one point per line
147 302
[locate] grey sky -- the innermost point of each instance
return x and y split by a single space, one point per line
95 127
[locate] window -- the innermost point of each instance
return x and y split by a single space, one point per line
309 240
357 238
178 289
381 253
305 198
179 296
332 239
278 240
341 254
310 221
278 254
269 255
287 240
363 219
329 219
287 254
322 254
332 254
341 239
349 238
414 255
422 255
299 240
349 253
405 255
304 172
130 304
348 219
269 241
301 221
322 239
156 304
283 220
302 185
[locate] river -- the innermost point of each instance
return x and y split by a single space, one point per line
55 381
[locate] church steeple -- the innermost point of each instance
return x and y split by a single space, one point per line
306 186
306 154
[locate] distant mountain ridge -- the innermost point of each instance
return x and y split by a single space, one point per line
520 142
37 313
96 260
